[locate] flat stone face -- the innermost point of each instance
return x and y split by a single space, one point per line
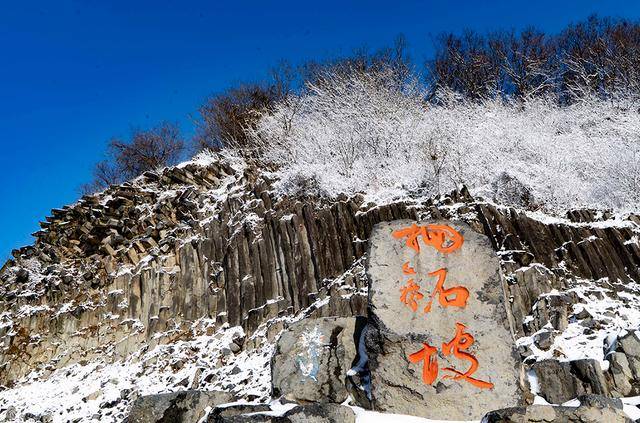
440 345
312 359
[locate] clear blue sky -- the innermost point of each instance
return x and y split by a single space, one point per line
75 74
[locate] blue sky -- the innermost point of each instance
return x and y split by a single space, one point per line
75 74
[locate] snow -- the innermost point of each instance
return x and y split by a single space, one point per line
465 138
617 312
630 407
63 394
367 416
368 134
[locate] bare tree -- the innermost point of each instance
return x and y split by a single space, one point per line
528 63
148 150
466 65
105 173
145 150
224 117
360 62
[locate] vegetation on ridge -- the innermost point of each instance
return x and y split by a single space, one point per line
542 121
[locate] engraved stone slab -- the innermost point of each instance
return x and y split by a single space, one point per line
439 341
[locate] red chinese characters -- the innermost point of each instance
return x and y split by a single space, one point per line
456 296
429 356
410 295
445 240
457 346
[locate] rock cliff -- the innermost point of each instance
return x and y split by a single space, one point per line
184 277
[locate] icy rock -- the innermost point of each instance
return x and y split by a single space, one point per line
184 406
235 348
400 329
291 252
312 359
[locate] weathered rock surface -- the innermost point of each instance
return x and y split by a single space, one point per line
592 409
224 413
176 407
311 413
312 359
440 333
134 267
560 382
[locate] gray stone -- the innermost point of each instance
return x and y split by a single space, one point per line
178 407
630 344
320 413
222 414
312 413
560 382
634 364
544 340
401 328
621 374
312 359
10 414
547 413
599 401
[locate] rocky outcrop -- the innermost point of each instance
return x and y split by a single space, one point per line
439 332
560 382
592 409
143 264
312 358
176 407
312 413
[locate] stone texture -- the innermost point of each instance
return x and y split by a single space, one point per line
222 414
312 358
560 382
198 257
621 374
176 407
630 344
547 413
312 413
400 330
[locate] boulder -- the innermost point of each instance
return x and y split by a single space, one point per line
320 413
621 374
592 409
438 330
312 359
176 407
630 345
559 382
312 413
224 413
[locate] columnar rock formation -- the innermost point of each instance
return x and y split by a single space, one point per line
137 265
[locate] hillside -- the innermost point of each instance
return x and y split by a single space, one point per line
184 278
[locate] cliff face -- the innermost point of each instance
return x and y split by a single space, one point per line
192 252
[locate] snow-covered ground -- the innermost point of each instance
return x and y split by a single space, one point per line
367 416
616 308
